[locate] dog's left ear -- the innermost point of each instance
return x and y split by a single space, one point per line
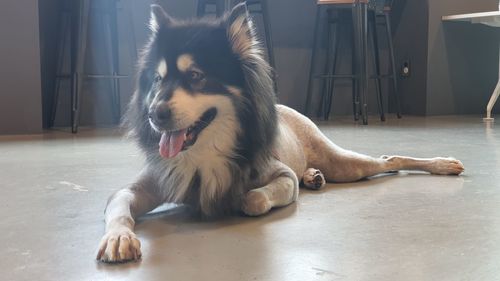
159 18
240 31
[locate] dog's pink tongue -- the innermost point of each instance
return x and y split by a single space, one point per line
171 143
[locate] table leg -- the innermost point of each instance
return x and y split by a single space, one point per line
494 96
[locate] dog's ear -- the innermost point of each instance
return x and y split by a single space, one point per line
238 11
159 18
240 31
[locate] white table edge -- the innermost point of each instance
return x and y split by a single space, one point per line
470 16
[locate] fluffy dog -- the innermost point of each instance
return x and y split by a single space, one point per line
204 114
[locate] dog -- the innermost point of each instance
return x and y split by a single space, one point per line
204 114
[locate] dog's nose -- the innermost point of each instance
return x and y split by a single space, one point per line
160 115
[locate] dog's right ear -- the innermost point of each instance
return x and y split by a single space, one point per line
159 18
241 32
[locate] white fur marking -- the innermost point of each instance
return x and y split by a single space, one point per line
162 68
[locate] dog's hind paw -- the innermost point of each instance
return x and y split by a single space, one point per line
313 179
119 245
446 166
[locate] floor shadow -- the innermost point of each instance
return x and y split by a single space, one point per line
170 219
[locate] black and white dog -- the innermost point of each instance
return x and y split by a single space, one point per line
204 114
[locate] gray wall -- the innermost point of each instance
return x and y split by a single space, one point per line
410 22
440 84
20 89
462 59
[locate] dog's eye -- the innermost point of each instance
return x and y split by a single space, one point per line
157 78
195 76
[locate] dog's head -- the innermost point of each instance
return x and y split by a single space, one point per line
196 76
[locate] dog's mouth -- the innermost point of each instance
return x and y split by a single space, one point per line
173 142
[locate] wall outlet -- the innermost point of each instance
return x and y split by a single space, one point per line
406 69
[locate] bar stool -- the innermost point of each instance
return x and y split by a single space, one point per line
254 7
74 23
384 12
364 22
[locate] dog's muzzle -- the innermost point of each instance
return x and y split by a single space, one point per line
174 141
160 116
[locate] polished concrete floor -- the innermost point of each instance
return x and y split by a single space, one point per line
406 226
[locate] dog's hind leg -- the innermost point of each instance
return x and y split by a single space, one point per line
282 189
340 165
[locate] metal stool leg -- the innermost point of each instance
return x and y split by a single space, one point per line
326 87
393 64
131 35
313 56
110 22
79 22
364 54
79 60
332 55
360 13
354 69
64 24
372 31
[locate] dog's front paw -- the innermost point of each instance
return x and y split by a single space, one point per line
256 203
119 245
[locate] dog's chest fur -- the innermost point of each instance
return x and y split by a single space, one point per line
206 176
198 181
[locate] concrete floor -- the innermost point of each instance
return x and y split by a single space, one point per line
53 189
